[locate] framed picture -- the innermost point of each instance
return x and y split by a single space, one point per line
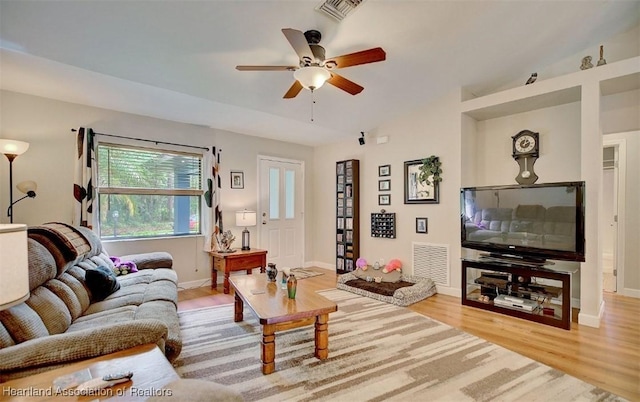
237 179
384 185
421 225
384 170
414 191
384 199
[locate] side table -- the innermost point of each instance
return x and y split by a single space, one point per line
239 260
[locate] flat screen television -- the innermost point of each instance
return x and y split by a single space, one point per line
528 222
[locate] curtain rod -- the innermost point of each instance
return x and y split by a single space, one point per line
142 139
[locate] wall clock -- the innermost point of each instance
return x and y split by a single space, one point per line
526 145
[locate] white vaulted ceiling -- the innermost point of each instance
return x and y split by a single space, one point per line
176 59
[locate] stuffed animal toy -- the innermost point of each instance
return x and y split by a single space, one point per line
123 267
393 265
362 264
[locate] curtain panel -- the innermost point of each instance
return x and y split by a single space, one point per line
212 214
84 172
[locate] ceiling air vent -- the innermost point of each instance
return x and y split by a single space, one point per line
338 9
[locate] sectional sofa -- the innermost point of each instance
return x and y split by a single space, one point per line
66 320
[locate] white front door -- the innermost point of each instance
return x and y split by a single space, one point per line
280 210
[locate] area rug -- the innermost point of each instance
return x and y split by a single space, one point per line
377 352
304 273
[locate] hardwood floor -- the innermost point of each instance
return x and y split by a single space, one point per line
608 357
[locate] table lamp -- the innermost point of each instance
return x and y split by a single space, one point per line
245 218
14 265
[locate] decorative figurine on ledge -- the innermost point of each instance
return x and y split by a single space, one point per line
586 63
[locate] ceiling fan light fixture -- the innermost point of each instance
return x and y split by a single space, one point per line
312 77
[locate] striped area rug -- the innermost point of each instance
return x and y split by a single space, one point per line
378 352
304 273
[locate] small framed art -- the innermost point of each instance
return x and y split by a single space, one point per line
421 225
237 179
384 199
384 170
384 185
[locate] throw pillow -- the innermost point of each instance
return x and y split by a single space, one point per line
101 282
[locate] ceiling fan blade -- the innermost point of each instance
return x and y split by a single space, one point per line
357 58
266 68
344 84
299 43
294 90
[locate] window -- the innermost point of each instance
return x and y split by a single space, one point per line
145 192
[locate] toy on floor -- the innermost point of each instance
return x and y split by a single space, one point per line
362 264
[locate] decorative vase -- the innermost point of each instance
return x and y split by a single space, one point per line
292 286
283 283
272 272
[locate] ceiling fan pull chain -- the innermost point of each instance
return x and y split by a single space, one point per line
313 102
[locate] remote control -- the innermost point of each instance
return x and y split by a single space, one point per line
118 376
99 383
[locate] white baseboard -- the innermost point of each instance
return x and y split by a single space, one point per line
322 265
196 284
630 292
449 291
591 320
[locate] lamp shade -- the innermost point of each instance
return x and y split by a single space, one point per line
312 77
245 218
26 186
14 265
13 147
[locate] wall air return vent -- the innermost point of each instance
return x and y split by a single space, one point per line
431 261
338 9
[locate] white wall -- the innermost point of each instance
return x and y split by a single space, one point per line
559 160
46 124
631 222
432 129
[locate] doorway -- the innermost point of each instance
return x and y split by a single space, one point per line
280 210
612 217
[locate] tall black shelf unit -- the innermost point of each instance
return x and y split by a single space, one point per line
347 215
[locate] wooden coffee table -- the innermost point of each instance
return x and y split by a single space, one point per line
276 312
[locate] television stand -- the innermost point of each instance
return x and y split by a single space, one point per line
485 279
515 259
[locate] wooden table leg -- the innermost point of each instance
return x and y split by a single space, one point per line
322 336
238 308
226 282
268 348
214 274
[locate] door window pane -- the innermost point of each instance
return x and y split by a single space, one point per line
274 193
289 194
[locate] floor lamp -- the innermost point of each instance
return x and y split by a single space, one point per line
11 149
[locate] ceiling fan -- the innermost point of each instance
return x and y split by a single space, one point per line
314 69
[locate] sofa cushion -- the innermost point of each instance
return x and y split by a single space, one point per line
101 282
65 243
51 309
42 266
